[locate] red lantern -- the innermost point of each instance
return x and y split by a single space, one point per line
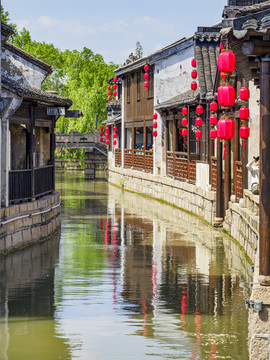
109 88
114 86
213 133
244 132
115 79
101 134
106 136
109 98
198 134
154 116
114 142
101 128
194 74
107 142
193 62
185 111
244 113
213 106
199 121
184 132
109 93
146 84
155 133
199 109
146 67
114 128
225 129
244 94
115 136
146 76
213 120
106 127
226 61
226 96
154 125
101 139
184 121
193 85
115 93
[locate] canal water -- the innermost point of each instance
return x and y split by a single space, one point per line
126 278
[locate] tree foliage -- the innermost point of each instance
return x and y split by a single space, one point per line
79 75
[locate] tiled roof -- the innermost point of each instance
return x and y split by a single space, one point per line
185 98
245 10
28 92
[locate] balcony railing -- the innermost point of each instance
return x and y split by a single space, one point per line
117 153
213 173
238 184
141 160
180 168
20 183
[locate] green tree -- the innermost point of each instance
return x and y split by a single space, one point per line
139 50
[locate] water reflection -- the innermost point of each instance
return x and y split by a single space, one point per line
135 279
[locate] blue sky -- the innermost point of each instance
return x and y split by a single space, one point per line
111 28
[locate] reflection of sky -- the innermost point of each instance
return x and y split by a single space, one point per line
150 295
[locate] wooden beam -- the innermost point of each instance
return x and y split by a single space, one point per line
227 176
256 47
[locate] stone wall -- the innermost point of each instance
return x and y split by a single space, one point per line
27 223
181 194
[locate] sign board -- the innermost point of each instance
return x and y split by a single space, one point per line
56 111
73 114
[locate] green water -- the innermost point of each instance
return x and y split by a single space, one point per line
125 278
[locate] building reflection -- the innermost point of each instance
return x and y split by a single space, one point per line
27 326
178 265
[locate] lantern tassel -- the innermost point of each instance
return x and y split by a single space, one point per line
224 150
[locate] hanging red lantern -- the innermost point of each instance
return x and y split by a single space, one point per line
154 116
185 132
199 121
193 85
106 127
101 128
107 142
184 121
114 86
198 134
146 76
213 120
146 67
226 95
213 133
101 134
225 129
109 88
154 124
106 136
193 62
194 74
213 106
109 98
243 113
115 136
114 142
146 84
199 109
185 111
101 139
244 132
109 93
155 133
244 94
114 128
226 61
115 93
115 79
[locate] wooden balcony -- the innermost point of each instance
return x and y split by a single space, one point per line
213 169
141 160
180 168
21 188
117 154
238 182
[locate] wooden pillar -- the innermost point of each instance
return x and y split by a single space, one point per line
235 151
175 139
52 150
144 142
219 192
227 176
133 143
32 149
264 263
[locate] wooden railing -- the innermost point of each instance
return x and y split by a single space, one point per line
117 154
141 160
20 183
180 168
213 170
238 181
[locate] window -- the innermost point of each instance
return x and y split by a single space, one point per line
138 85
128 88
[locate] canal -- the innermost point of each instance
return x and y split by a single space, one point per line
126 278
